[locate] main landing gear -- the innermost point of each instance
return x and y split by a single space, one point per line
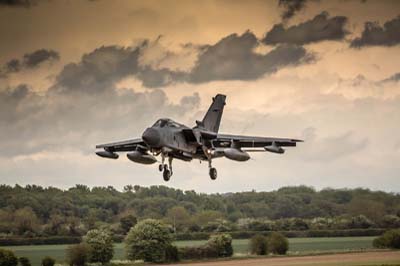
212 171
166 169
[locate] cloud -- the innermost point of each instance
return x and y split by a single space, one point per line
291 7
331 148
394 78
99 69
320 28
376 35
59 122
34 59
29 61
233 58
18 3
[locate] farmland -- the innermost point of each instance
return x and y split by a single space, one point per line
240 246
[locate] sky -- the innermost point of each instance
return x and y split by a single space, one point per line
74 74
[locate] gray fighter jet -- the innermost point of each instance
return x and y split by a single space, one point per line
172 140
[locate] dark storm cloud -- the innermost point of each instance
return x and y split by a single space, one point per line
34 59
17 3
99 69
291 7
29 61
376 35
320 28
14 65
233 58
394 78
154 78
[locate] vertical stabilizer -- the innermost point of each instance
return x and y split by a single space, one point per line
212 119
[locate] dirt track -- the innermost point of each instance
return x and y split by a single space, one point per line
364 258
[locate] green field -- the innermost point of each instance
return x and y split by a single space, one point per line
240 246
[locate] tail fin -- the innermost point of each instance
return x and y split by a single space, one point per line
212 119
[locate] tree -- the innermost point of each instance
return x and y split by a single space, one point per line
24 261
178 217
222 243
148 241
390 239
126 222
77 255
7 258
25 220
48 261
204 217
101 245
277 243
258 245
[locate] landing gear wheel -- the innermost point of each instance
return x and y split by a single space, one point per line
160 167
167 175
213 173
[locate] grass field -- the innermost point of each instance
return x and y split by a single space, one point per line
240 246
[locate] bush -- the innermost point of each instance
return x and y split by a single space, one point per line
277 243
222 243
390 239
217 246
20 241
101 245
48 261
77 255
7 258
258 245
148 241
171 254
24 261
198 252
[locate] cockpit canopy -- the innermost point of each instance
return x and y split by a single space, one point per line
166 122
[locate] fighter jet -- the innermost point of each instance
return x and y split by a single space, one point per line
171 140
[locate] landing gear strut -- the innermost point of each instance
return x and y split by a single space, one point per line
167 169
213 171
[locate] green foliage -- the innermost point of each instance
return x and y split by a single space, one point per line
148 241
277 243
390 239
222 243
24 261
126 222
48 261
101 245
77 255
197 252
21 241
7 258
258 245
171 254
26 212
217 246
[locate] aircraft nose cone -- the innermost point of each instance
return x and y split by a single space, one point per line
151 136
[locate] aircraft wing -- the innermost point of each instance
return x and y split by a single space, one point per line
126 145
224 140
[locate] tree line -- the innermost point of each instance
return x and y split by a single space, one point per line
36 211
